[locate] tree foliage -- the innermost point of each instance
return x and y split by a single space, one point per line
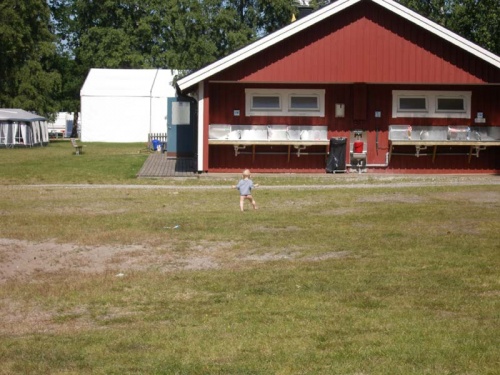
188 34
477 21
179 34
176 34
28 78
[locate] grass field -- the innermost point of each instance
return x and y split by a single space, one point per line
129 280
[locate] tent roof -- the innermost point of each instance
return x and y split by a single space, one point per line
128 82
13 114
321 14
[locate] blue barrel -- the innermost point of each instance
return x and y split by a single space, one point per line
155 143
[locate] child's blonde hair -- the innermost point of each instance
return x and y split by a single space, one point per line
246 173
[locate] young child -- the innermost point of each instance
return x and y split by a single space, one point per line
245 186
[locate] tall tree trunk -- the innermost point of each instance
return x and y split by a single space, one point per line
74 130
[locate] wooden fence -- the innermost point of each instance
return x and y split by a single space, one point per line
162 137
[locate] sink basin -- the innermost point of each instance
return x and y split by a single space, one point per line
278 132
294 133
217 131
313 135
254 134
424 135
234 134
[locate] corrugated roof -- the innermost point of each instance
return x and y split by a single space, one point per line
128 82
322 14
15 114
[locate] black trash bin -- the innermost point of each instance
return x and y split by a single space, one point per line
336 159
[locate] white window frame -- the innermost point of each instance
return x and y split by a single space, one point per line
286 108
431 98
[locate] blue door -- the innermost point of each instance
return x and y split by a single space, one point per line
181 127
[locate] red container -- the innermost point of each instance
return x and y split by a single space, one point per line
358 147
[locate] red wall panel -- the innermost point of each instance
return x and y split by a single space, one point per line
359 104
361 101
267 159
225 97
448 160
364 43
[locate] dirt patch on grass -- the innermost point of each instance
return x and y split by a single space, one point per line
19 318
290 228
392 197
270 257
330 255
462 196
25 261
471 196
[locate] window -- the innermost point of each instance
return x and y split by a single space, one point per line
285 102
432 104
412 104
450 105
262 102
304 103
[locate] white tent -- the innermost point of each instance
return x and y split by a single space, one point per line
125 105
22 128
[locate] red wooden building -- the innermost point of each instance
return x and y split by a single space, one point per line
396 92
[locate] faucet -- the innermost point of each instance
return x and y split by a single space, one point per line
478 136
301 132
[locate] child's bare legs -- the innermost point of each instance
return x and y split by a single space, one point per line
254 204
242 202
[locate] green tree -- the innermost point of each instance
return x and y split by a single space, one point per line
477 21
180 34
196 33
28 78
110 33
275 14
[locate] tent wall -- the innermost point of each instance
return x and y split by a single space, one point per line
115 119
28 134
124 105
122 119
21 128
159 114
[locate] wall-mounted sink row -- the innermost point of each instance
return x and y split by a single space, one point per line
267 132
444 133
